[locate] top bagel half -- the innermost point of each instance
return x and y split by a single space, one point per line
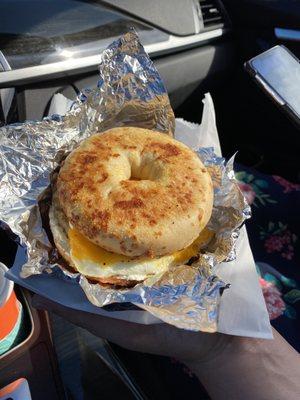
135 192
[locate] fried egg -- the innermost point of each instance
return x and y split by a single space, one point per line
93 261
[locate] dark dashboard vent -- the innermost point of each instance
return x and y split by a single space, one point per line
211 13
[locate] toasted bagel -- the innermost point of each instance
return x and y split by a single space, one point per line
59 227
110 269
135 192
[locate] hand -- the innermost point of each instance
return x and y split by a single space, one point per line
230 367
161 339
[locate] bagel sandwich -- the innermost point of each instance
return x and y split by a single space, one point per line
128 204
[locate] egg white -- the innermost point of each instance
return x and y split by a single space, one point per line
135 271
93 261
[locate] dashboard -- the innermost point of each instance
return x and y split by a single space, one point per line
56 43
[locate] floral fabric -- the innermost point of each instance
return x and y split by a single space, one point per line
274 238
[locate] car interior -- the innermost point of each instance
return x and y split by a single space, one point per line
198 46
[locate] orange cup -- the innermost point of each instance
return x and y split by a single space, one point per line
9 305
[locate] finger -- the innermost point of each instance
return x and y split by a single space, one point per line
123 333
70 314
81 318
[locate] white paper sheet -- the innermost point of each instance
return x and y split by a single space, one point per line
242 309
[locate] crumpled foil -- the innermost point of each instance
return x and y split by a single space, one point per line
129 92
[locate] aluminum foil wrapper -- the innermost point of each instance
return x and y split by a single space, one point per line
129 92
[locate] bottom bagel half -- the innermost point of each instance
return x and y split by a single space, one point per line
106 268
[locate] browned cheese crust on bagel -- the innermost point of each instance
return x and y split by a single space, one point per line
135 192
59 228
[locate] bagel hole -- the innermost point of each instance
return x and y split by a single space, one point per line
148 170
136 177
133 177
